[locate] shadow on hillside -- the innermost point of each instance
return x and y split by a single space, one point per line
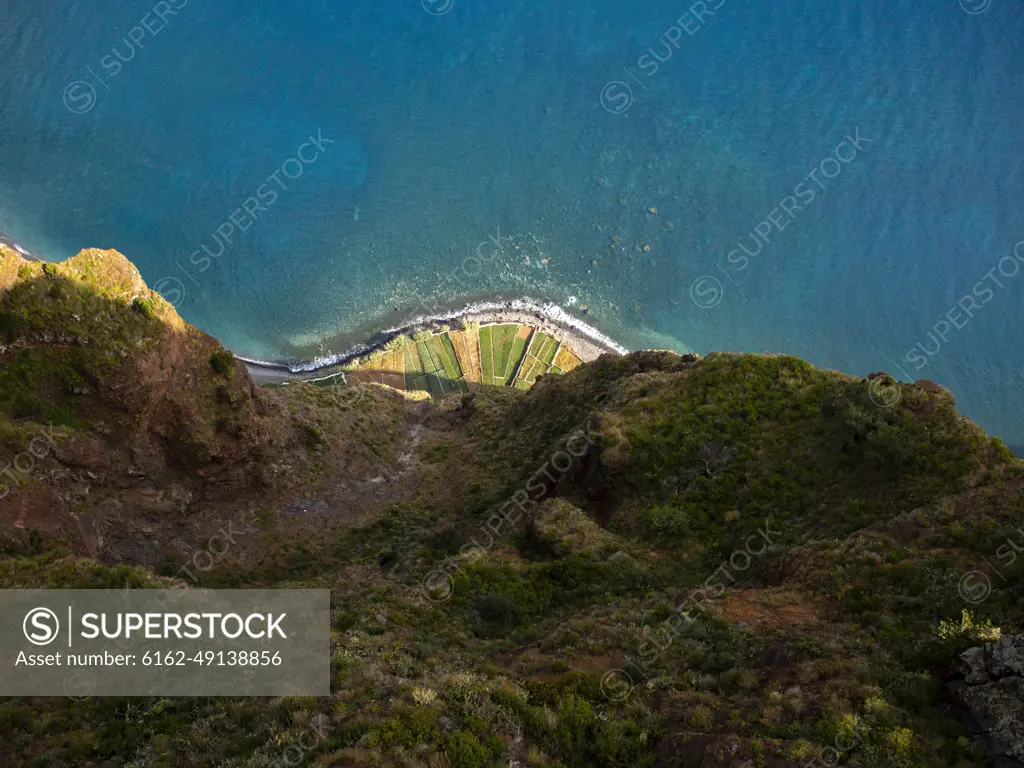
438 383
74 333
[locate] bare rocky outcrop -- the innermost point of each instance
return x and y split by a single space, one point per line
990 685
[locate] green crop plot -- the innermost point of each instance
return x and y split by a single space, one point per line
334 380
509 355
432 366
503 342
530 369
501 349
413 367
426 361
422 382
486 355
544 348
538 360
516 356
444 349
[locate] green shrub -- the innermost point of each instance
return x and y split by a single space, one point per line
583 739
409 727
312 435
398 343
669 521
701 718
144 307
498 613
223 362
434 453
464 750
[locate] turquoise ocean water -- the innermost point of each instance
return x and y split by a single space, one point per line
839 181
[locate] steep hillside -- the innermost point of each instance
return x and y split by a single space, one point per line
654 560
110 402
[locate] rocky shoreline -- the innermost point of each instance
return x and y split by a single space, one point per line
5 240
586 341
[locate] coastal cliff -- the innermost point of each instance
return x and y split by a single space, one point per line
651 560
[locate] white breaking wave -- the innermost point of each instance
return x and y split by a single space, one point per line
4 240
549 310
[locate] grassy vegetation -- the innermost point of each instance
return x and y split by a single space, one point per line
565 360
450 361
516 355
503 341
537 361
467 349
223 362
500 352
413 367
438 369
428 381
328 382
36 380
695 459
598 506
545 349
830 635
486 355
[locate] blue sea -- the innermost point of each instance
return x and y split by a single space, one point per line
840 181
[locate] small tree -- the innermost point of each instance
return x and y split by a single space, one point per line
714 458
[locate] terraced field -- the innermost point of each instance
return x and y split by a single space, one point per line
565 361
493 355
413 367
386 368
539 356
501 349
467 351
434 365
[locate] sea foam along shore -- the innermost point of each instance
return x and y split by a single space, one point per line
585 340
5 240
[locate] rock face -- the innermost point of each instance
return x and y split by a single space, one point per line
934 389
991 687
